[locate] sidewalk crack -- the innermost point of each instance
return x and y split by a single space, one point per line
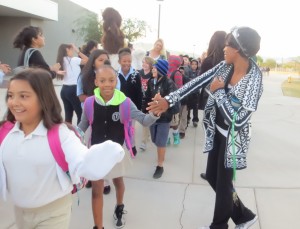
183 207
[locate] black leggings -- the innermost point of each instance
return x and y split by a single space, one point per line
220 179
71 102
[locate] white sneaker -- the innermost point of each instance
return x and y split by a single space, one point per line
143 146
247 224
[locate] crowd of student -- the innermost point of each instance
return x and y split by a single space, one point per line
165 94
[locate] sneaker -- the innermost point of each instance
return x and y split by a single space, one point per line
119 216
143 146
195 124
169 142
176 139
182 135
247 224
88 184
203 176
106 189
134 151
158 172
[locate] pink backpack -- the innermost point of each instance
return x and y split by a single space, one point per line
55 146
125 118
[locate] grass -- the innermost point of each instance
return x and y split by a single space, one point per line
291 88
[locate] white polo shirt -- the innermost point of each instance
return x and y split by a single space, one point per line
29 172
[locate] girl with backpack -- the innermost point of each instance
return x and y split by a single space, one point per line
105 113
29 168
32 37
86 86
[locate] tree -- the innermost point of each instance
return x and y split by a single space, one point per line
271 63
134 29
259 60
89 27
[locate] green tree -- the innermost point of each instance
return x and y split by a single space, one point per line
260 60
134 29
89 27
271 63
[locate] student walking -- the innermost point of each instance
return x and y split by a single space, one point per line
29 170
146 75
71 65
235 87
194 98
161 84
215 55
105 121
129 82
86 86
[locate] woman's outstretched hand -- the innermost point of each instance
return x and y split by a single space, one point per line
158 105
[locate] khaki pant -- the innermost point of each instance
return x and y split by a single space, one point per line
56 215
183 118
146 134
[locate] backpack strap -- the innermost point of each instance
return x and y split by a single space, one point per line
89 108
125 118
4 130
27 56
55 146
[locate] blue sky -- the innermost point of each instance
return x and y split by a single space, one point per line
187 26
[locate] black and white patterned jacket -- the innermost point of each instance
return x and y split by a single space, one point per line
248 90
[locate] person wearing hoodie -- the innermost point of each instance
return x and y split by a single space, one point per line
159 131
179 122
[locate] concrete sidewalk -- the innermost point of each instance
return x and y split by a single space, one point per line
182 200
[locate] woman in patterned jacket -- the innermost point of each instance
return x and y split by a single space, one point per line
234 87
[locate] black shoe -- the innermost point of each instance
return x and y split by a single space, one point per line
158 172
119 216
88 184
106 189
203 176
182 135
134 151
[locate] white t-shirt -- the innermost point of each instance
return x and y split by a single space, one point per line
72 68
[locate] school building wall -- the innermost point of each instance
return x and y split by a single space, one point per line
56 32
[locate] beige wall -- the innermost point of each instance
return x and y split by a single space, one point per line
56 32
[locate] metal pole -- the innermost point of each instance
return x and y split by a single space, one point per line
158 21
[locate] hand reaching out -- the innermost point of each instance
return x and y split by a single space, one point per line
158 105
5 68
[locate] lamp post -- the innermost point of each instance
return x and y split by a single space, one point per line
194 51
159 9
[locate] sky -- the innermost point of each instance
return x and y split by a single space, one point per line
187 26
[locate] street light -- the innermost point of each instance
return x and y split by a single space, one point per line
194 51
159 6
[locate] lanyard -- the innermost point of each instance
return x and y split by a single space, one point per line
233 146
